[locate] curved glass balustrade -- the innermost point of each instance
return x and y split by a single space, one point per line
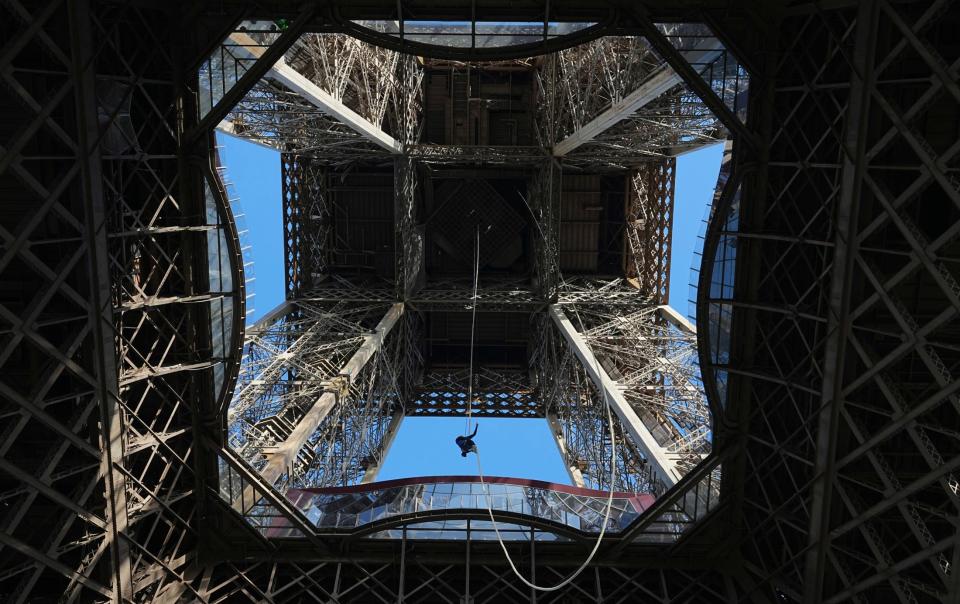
464 529
479 34
358 506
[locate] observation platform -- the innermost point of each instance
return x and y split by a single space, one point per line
373 507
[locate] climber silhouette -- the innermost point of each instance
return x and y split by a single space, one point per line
466 443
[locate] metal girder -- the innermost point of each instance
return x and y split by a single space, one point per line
576 475
226 127
656 85
656 455
612 104
409 236
292 79
845 360
89 311
677 62
371 472
679 321
838 324
112 423
496 393
282 457
253 73
648 228
52 563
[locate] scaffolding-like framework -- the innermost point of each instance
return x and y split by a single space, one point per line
575 88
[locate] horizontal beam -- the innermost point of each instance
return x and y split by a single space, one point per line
652 88
318 97
656 455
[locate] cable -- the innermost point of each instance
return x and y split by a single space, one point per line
603 527
473 323
486 489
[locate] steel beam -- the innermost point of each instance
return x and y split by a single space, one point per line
576 476
656 455
676 60
282 458
390 435
318 97
670 315
227 127
652 88
409 237
252 75
844 261
112 425
267 320
53 564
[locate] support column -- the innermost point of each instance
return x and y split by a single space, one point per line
838 318
403 567
649 224
409 237
545 190
576 476
660 462
101 317
371 473
282 458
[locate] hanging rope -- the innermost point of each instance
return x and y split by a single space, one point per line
486 489
473 324
603 527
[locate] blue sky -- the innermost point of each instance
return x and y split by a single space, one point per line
696 181
424 446
255 174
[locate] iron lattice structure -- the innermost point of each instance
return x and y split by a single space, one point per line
652 359
826 300
581 84
331 231
290 361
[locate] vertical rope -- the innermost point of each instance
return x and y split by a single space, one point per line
473 325
603 527
476 451
486 489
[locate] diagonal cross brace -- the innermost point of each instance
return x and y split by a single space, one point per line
292 79
676 60
251 76
658 83
657 456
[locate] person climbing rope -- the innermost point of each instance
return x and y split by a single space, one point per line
466 443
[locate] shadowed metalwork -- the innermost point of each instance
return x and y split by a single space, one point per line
826 302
